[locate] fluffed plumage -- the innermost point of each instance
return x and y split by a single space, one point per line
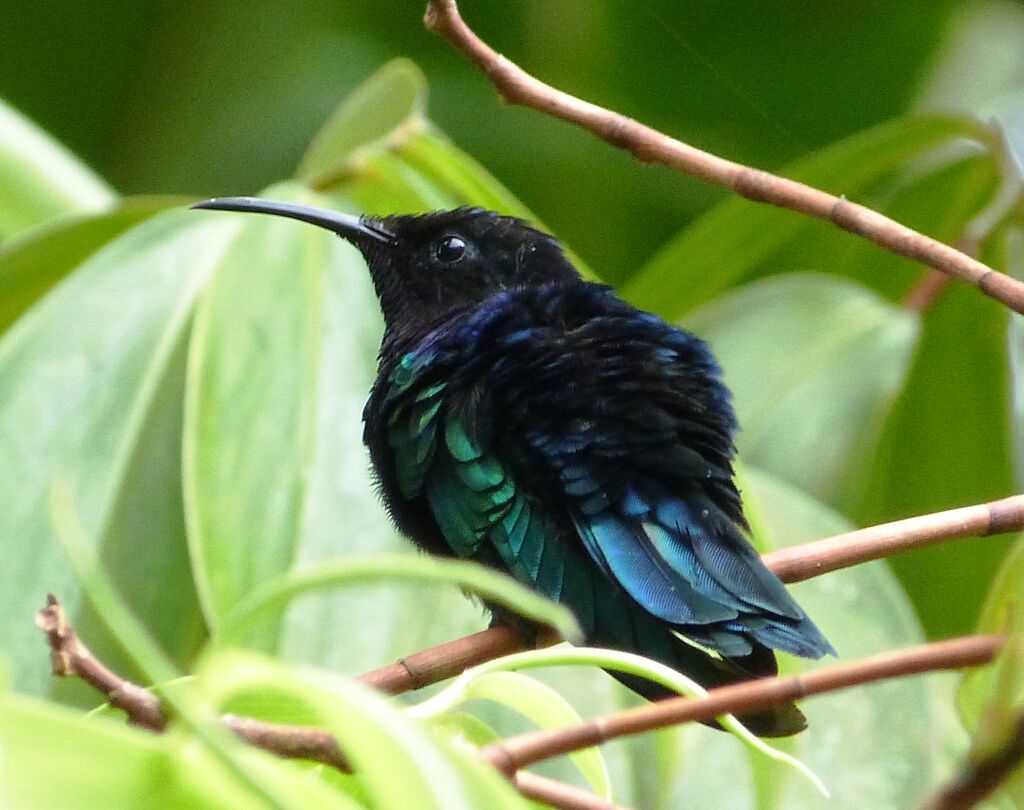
537 423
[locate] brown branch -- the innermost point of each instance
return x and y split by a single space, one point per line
558 794
72 658
751 696
317 745
797 563
288 741
516 86
446 660
923 295
978 780
69 657
793 564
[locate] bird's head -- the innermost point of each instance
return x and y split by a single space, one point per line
428 266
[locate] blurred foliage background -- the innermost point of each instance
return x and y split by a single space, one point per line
200 396
220 96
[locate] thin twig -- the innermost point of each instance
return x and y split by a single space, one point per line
516 86
288 741
72 658
923 295
517 752
558 794
446 660
978 780
69 657
797 563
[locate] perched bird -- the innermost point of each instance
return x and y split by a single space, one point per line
537 423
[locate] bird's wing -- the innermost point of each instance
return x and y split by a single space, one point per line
617 430
643 466
471 490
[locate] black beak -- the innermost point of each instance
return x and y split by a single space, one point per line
354 229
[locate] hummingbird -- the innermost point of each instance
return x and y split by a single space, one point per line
537 423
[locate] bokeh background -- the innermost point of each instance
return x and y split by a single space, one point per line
206 97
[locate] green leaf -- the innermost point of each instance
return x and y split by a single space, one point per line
385 109
447 167
32 264
87 382
991 699
395 759
1003 612
251 405
814 364
40 180
386 184
545 708
179 698
470 576
463 727
948 443
463 688
1015 349
53 757
718 249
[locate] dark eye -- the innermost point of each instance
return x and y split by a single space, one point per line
449 249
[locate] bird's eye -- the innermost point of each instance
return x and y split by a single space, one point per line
449 249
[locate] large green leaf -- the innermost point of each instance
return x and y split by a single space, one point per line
386 108
251 404
814 364
52 757
947 444
87 396
719 248
30 265
396 761
1015 347
40 180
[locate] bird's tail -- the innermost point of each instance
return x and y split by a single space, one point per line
654 640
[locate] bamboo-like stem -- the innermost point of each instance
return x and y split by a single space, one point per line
797 563
516 86
517 752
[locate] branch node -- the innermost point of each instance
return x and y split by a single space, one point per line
419 677
1004 516
844 214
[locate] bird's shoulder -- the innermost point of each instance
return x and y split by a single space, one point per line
582 324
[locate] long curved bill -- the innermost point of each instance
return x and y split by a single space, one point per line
347 226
